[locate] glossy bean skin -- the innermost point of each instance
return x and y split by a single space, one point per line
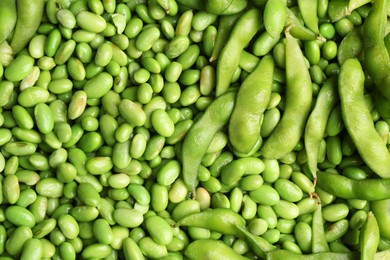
203 249
299 97
244 124
371 149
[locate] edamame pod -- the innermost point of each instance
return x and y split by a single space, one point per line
357 119
252 100
298 102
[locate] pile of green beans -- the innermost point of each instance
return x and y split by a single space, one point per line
194 129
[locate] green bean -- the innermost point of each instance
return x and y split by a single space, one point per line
8 19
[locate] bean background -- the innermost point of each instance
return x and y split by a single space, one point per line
194 129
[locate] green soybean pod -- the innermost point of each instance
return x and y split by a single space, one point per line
369 237
371 143
319 241
228 63
274 17
279 136
380 208
251 102
11 188
44 118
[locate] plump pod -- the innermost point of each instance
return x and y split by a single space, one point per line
200 135
298 103
357 119
252 100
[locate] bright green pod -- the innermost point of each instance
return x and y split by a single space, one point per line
27 135
20 216
44 118
19 68
103 80
130 218
120 155
88 194
131 112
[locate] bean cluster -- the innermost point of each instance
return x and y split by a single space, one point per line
194 129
